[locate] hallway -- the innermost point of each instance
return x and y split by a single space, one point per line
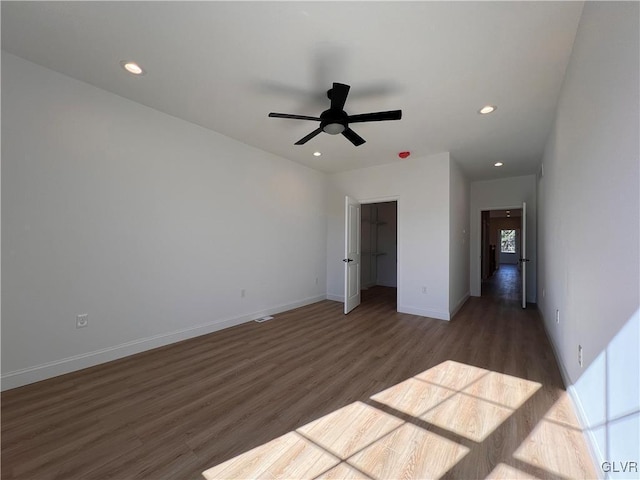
505 284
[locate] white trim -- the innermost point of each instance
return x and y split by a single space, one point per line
335 298
423 312
594 449
459 305
399 255
476 281
392 198
37 373
592 444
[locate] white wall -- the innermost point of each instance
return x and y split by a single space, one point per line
149 224
458 238
500 194
421 186
589 208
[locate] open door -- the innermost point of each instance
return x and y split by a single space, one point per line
351 254
523 255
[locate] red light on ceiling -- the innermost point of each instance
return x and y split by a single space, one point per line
404 154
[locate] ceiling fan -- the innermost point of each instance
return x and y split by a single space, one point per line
335 120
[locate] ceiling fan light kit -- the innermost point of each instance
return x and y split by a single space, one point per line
335 120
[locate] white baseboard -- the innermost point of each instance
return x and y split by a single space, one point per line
424 312
37 373
592 444
404 309
594 449
459 305
335 298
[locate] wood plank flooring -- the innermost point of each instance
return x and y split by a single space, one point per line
312 394
505 283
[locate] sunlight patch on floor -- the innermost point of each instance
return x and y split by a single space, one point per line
409 452
350 429
505 390
452 375
288 456
413 397
469 401
419 428
468 416
343 471
559 428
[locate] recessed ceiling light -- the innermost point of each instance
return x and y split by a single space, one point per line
498 164
487 109
316 154
132 67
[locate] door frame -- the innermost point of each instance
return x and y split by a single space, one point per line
477 279
392 198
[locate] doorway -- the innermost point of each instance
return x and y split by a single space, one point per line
501 244
379 253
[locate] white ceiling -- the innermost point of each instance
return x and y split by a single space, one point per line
226 65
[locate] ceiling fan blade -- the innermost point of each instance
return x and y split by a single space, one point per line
339 94
353 137
376 116
304 140
295 117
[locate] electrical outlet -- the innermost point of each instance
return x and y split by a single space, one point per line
243 293
580 355
558 316
544 293
316 280
424 290
82 320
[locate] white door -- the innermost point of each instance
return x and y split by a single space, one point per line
351 254
523 255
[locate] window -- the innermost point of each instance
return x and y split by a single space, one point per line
507 241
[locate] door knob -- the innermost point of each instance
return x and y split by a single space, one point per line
347 260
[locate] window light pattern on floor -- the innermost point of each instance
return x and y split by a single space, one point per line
420 428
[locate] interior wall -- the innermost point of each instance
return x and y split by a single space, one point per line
458 238
152 226
589 208
504 193
421 186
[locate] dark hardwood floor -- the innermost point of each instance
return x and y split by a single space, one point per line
505 283
202 405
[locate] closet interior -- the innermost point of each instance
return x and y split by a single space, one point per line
379 245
